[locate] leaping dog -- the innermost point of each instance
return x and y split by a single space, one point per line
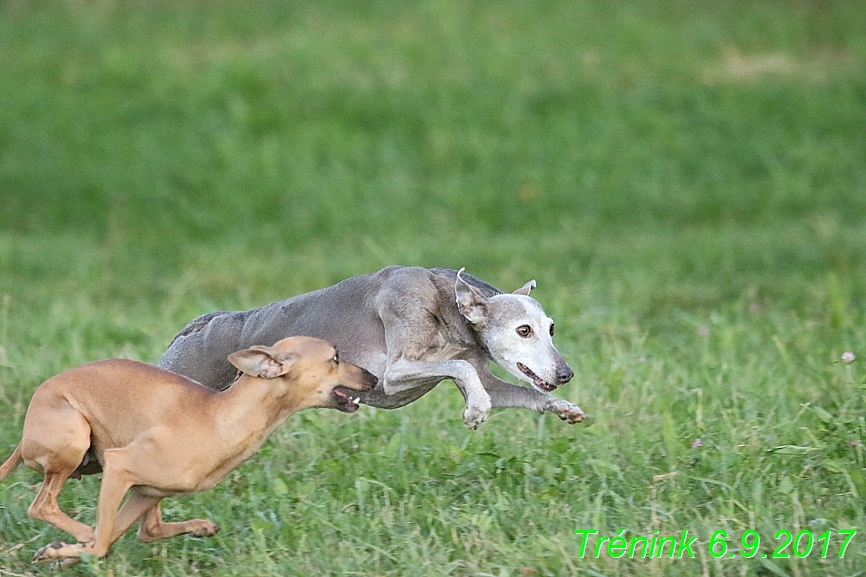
412 328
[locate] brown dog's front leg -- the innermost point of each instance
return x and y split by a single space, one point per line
153 527
135 507
115 484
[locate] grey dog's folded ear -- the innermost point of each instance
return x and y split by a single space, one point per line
471 304
265 362
524 290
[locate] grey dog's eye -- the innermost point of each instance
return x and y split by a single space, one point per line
524 331
551 329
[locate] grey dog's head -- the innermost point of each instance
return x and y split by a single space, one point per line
517 333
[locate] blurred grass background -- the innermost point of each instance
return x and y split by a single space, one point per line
686 180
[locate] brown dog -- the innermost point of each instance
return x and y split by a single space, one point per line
161 434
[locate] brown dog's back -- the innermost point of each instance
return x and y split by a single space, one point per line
101 405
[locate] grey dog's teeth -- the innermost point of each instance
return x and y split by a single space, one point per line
356 399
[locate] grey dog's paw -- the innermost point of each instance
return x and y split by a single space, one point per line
474 415
566 411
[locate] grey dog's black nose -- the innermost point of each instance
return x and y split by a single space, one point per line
564 374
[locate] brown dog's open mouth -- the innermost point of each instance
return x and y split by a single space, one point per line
344 402
539 383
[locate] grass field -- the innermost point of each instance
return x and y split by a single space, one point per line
685 180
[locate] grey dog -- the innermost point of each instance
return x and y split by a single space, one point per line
412 328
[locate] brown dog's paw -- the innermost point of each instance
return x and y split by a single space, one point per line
49 552
203 528
62 553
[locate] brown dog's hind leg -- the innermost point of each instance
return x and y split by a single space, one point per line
55 440
116 481
45 508
153 527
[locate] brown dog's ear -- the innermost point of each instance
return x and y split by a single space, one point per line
263 362
524 290
470 303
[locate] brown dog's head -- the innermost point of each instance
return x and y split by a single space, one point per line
312 369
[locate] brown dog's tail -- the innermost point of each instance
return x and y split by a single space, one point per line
11 463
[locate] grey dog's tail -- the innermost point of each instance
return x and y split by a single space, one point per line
11 463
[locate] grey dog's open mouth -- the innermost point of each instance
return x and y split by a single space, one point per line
539 383
345 403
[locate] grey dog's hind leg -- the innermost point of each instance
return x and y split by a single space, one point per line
196 324
200 351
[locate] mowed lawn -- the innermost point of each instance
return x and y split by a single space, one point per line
685 180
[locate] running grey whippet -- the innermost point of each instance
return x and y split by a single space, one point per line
412 328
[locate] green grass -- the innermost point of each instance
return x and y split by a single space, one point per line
685 180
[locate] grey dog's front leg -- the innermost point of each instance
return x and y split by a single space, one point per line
404 374
504 394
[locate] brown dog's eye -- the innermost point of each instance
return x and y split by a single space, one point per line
336 358
524 331
551 329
